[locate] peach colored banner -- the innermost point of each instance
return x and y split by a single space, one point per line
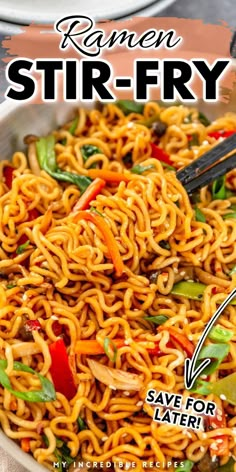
199 41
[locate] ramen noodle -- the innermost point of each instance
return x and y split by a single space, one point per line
101 248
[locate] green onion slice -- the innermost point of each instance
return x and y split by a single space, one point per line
216 352
108 347
199 215
159 319
229 215
138 169
129 106
187 466
81 424
219 334
47 394
219 189
233 271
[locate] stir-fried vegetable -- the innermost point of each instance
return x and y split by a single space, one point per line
107 235
115 378
199 215
88 150
90 194
149 121
129 106
206 464
219 334
62 453
47 393
228 467
218 421
160 154
9 286
96 211
25 444
203 119
8 175
61 371
33 325
221 134
158 320
219 189
63 457
27 328
216 352
187 466
233 271
193 140
23 241
229 215
92 346
110 349
47 161
159 128
192 290
107 175
180 339
22 247
168 167
73 126
127 159
139 169
164 244
71 129
222 388
81 424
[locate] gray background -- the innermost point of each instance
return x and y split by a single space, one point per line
210 11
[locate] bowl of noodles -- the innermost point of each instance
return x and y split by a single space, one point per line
109 273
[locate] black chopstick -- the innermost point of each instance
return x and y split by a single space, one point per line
196 168
211 174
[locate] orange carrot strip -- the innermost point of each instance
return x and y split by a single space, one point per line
90 194
107 175
110 241
179 338
25 444
92 347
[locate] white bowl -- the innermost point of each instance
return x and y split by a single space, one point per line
44 11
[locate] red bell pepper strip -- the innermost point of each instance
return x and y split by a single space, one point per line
8 175
160 154
221 134
33 214
60 370
32 325
156 351
56 328
180 339
220 446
